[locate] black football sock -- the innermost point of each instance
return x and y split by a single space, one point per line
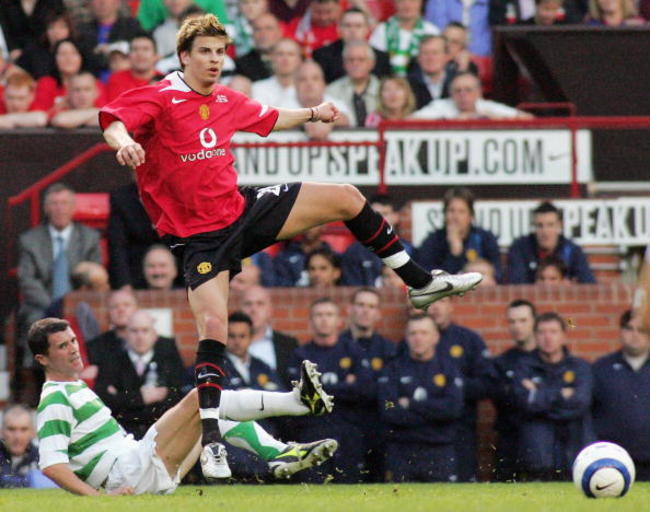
372 230
209 378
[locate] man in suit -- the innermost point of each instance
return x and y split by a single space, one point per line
428 76
272 347
354 27
142 381
49 252
256 64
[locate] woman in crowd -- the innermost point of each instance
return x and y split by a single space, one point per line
396 101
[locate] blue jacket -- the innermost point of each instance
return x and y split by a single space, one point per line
377 350
17 476
442 12
467 351
621 404
336 363
435 392
508 416
480 243
553 428
261 377
523 260
361 267
289 265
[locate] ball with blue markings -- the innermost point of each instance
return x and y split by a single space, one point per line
603 470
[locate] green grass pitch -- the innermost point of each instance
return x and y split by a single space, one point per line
539 497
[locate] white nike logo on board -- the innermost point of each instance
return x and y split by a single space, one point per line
174 100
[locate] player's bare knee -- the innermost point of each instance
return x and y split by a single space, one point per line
351 201
216 327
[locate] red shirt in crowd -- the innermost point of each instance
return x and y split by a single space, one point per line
123 81
50 95
310 37
188 184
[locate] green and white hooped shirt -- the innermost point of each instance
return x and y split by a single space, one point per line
76 428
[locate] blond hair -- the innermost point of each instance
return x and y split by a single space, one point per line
207 25
627 6
408 108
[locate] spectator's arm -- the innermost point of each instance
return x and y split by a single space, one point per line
390 410
76 118
361 388
35 119
445 407
578 404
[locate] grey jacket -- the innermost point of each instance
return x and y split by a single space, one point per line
343 90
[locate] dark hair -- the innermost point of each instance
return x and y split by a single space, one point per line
455 24
553 261
548 207
190 11
461 193
551 316
625 318
430 37
355 10
384 199
56 73
240 317
54 16
365 289
144 35
421 316
517 303
322 300
39 332
326 253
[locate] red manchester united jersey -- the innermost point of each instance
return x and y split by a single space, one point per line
188 184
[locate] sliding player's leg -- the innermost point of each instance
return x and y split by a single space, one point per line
320 203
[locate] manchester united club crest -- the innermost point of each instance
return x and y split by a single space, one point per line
204 267
204 112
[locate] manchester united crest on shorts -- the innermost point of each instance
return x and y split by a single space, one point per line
204 267
204 112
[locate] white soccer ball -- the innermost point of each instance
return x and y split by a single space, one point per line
603 470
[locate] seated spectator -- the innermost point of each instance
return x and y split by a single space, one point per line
420 399
354 26
362 267
466 349
242 84
164 34
428 75
474 16
48 253
553 391
485 268
37 57
318 27
451 247
460 60
273 347
280 88
18 455
552 271
621 398
347 377
249 11
527 252
466 102
323 268
17 109
289 264
359 89
118 58
108 25
310 89
51 90
249 276
152 13
79 109
141 382
121 305
143 57
613 13
396 101
159 268
287 10
547 13
256 64
400 35
171 63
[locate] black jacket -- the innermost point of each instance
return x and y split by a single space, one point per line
252 66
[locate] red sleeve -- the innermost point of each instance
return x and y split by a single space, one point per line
134 108
251 116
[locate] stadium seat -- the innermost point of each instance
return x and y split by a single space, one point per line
338 236
92 210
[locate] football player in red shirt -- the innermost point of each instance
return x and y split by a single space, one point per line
180 147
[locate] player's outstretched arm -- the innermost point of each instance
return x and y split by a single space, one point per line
290 118
129 152
63 476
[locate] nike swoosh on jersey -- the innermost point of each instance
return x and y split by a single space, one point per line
178 100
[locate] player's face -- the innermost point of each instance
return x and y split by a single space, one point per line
59 208
440 311
458 215
354 27
422 337
550 338
63 360
257 304
433 56
18 99
322 273
364 311
203 63
634 338
121 306
325 320
548 228
520 323
239 338
17 432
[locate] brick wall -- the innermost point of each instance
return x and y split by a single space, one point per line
591 311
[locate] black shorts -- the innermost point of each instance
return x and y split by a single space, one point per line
204 255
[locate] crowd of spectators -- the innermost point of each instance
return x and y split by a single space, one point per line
362 48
